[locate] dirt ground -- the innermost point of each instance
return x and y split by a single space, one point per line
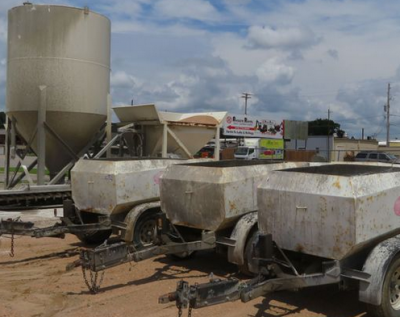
35 283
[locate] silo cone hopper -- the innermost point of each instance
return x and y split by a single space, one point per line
169 133
57 84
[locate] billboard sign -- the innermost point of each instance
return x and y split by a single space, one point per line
249 126
297 130
271 149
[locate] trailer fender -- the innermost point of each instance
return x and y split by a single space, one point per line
240 235
134 214
376 265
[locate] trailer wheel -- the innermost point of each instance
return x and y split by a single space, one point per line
145 230
249 261
93 237
390 305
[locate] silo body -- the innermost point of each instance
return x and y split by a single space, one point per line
67 50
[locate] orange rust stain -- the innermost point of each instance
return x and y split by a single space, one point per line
337 184
336 249
232 205
299 247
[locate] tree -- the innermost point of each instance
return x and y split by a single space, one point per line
324 127
2 120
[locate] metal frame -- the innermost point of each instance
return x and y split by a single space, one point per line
22 228
110 255
40 132
221 291
42 128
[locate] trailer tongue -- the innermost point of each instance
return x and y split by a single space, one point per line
26 228
218 291
222 291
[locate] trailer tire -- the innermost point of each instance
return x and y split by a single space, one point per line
93 237
144 233
249 260
390 304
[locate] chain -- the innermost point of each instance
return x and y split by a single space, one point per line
12 244
131 258
93 286
180 311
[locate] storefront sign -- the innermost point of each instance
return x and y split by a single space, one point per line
246 126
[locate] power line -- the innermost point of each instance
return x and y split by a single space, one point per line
380 131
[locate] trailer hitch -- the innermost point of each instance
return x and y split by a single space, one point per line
58 230
16 224
17 227
201 295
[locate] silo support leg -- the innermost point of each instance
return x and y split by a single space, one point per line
14 181
164 148
13 150
60 140
180 143
109 126
41 140
61 173
67 167
217 144
7 153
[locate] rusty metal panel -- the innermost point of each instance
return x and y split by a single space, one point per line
114 186
330 210
296 130
213 195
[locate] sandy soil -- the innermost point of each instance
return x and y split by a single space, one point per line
35 283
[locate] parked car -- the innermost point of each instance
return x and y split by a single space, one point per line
376 157
205 152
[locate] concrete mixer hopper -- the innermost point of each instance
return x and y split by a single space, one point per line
170 133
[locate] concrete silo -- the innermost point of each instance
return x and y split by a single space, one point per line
58 79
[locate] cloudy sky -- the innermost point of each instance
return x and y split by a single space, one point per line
298 58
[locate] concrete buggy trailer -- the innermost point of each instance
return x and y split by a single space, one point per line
204 205
105 191
328 224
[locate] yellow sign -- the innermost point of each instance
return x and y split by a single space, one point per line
271 149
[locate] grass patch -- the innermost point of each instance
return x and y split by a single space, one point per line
33 171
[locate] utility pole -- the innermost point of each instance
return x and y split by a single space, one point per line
328 145
246 96
388 116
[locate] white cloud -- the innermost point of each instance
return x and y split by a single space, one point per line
190 9
3 30
121 7
160 54
292 38
122 80
274 72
